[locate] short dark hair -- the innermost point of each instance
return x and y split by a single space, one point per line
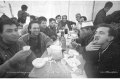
4 17
32 17
108 4
85 19
64 16
42 18
112 31
24 7
52 19
30 25
15 20
57 16
6 22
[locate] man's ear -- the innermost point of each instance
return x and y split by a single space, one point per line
110 38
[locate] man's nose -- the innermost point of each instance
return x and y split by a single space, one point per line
96 34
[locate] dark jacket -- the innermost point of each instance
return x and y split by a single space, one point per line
85 40
18 70
69 23
108 61
39 44
113 18
51 32
22 15
100 17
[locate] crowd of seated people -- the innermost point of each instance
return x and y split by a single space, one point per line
98 44
101 52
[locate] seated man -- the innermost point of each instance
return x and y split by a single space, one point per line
58 18
14 62
65 22
36 39
80 19
102 54
43 24
47 30
85 35
52 29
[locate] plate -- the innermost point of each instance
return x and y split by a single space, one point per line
39 62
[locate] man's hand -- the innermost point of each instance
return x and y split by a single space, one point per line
20 56
74 44
92 47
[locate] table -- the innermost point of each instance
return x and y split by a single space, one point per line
65 68
36 72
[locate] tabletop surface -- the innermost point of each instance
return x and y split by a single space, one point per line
55 70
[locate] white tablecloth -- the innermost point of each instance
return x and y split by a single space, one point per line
40 72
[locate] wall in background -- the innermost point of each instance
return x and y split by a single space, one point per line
50 9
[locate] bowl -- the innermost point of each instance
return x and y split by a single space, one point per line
38 62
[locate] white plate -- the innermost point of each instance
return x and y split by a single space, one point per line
38 62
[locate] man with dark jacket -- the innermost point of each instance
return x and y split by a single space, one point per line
85 35
65 22
14 62
102 54
52 29
101 15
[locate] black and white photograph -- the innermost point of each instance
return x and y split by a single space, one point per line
59 39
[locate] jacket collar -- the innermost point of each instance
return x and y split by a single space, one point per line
107 47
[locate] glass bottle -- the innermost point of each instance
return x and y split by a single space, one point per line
66 29
63 40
